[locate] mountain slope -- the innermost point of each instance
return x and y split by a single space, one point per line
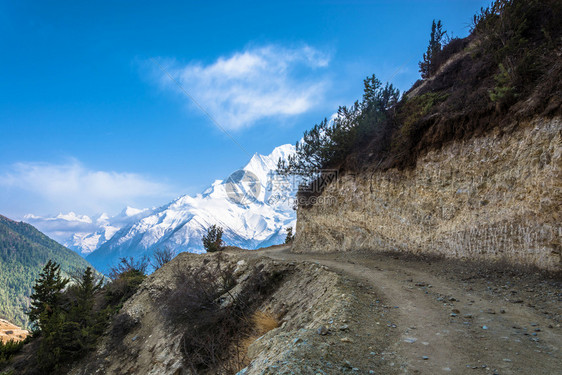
83 233
255 222
468 163
23 252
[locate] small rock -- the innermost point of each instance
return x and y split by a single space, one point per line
346 339
322 330
468 316
344 327
484 327
452 299
490 311
502 311
456 311
507 360
425 358
421 283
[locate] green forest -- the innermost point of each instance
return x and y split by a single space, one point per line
23 252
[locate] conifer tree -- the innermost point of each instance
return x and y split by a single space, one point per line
82 312
46 298
290 237
212 241
427 65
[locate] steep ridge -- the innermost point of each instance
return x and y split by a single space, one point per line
250 223
468 163
23 253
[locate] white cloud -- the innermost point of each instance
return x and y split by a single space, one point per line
72 186
256 84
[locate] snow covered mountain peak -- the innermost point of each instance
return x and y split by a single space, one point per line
180 225
252 205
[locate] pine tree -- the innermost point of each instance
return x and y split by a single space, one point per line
46 298
290 237
82 312
212 241
427 66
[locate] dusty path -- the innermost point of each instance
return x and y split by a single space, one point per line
453 320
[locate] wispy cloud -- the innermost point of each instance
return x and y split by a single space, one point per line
255 84
73 186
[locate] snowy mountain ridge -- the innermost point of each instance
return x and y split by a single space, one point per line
253 211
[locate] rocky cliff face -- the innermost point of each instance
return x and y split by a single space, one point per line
495 197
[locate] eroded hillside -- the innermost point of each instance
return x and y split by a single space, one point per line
467 164
494 197
313 307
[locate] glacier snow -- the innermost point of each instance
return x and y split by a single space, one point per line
180 224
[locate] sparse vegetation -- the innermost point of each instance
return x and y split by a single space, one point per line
218 314
507 70
161 257
327 144
9 349
212 241
290 237
428 66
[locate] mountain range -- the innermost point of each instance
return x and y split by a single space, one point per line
253 205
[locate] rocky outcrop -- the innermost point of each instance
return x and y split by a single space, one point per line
143 341
494 197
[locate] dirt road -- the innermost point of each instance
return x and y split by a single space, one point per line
456 317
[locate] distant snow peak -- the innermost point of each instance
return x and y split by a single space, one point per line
254 205
251 204
82 233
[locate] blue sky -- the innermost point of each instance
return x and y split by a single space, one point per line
89 123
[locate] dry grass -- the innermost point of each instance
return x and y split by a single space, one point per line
260 322
264 322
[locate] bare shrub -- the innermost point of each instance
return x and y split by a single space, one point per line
127 265
161 257
216 313
121 325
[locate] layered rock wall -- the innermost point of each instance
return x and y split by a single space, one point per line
496 197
